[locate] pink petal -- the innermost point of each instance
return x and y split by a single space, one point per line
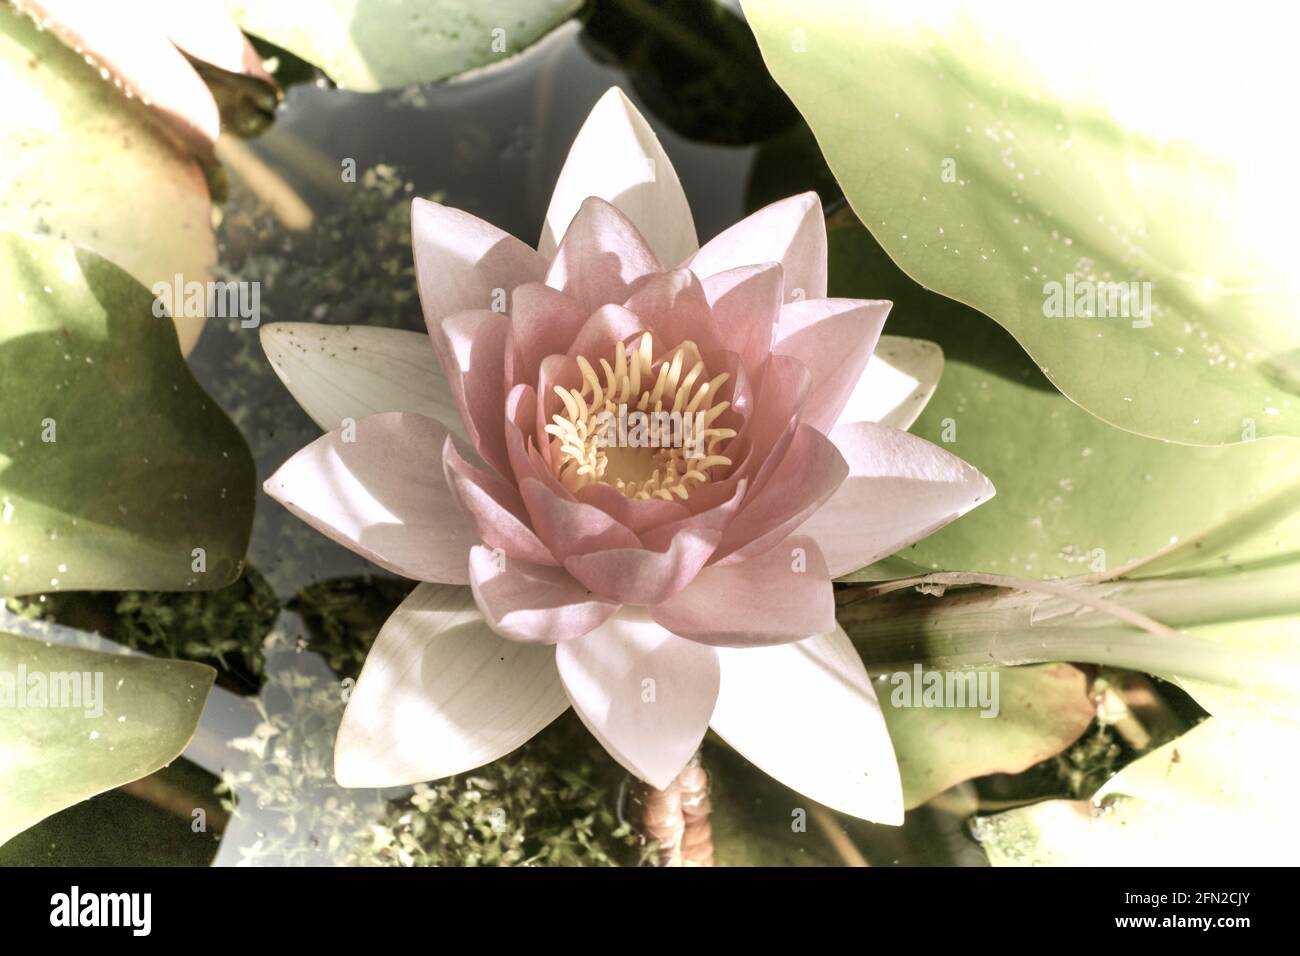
774 416
738 389
716 494
543 322
638 515
716 517
808 474
617 157
496 509
673 307
461 261
541 471
557 371
635 575
476 345
746 302
607 326
532 602
383 495
600 257
782 595
900 489
834 338
791 232
570 527
521 418
521 422
646 695
525 461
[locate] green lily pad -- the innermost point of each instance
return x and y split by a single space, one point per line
369 45
1220 795
998 172
84 163
117 471
99 721
1075 495
1276 637
1040 710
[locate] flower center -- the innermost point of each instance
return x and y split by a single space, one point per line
647 428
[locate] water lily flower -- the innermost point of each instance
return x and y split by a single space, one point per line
658 587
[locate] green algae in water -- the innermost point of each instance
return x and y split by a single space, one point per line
223 627
554 802
343 617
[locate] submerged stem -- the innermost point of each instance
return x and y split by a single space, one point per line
677 818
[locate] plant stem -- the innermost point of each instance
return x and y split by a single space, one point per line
1003 626
846 849
677 818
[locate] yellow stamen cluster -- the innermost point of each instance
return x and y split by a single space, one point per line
633 382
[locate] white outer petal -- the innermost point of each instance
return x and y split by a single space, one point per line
644 693
900 489
806 714
617 157
442 694
897 383
351 371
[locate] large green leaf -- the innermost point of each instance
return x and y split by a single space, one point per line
371 45
84 163
1075 496
1276 637
57 749
993 149
115 466
1040 710
1219 795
